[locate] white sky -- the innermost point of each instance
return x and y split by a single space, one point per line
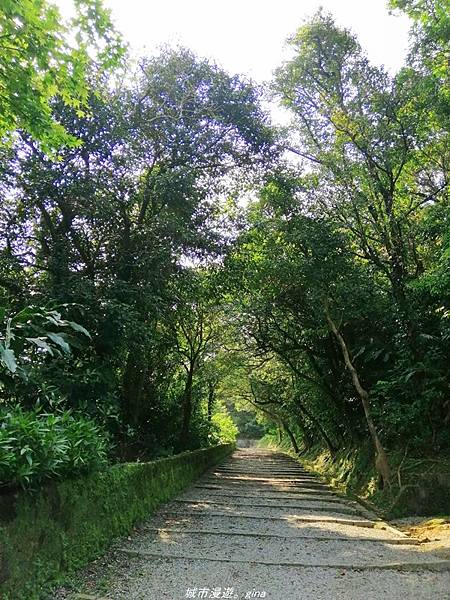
247 36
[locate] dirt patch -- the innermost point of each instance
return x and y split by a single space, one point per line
433 533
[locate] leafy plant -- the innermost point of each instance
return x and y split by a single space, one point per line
224 429
38 62
37 446
30 338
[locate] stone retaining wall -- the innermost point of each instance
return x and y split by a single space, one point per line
48 534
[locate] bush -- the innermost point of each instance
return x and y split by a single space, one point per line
224 430
36 446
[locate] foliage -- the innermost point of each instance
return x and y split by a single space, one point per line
43 58
36 341
338 272
419 485
430 37
16 343
249 424
36 446
112 222
321 304
224 429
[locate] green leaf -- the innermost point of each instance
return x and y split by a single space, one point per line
56 321
24 315
40 343
8 359
57 339
360 351
80 328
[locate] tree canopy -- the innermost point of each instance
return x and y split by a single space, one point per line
170 259
43 57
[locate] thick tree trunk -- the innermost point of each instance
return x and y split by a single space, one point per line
381 460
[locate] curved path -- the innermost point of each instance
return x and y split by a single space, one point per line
259 526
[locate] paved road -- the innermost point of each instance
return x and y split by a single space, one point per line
259 526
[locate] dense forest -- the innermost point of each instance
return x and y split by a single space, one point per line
169 256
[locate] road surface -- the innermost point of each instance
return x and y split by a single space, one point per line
259 526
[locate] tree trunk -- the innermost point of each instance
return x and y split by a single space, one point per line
381 460
291 437
187 409
210 400
280 435
303 408
306 436
135 403
331 447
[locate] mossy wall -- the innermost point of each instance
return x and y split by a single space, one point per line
47 534
419 486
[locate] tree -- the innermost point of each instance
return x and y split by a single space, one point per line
429 53
196 323
377 166
43 58
110 225
376 151
300 280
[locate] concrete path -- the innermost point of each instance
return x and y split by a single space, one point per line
259 526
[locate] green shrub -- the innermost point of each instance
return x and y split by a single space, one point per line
224 428
36 446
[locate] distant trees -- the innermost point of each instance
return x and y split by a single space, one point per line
136 291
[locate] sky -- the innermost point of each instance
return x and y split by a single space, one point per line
248 36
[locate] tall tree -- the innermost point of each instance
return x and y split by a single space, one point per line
377 166
110 225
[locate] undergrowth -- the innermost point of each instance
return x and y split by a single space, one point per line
419 485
